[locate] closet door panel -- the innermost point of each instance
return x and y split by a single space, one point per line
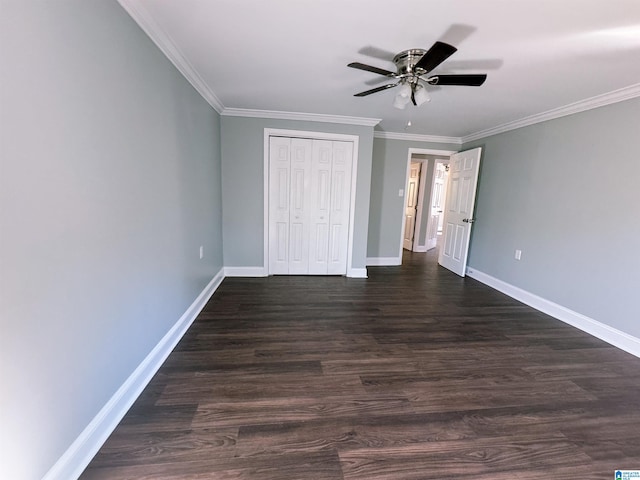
320 196
279 199
299 206
340 207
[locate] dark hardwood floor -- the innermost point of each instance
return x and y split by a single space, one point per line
414 373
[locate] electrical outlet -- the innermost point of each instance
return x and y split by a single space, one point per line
201 252
518 254
401 192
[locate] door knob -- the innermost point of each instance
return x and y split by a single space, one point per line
468 220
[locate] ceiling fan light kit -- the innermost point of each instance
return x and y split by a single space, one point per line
403 97
421 95
411 68
411 92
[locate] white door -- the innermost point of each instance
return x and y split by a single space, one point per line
320 196
437 205
411 206
340 208
309 205
279 199
444 198
458 217
299 208
330 198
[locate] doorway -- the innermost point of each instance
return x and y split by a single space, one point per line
428 159
411 209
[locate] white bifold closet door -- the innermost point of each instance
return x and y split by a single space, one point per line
309 205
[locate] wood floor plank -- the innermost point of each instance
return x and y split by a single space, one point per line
201 387
349 433
441 397
311 465
168 447
143 418
471 458
413 373
296 409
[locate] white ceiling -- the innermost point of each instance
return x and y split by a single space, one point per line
292 55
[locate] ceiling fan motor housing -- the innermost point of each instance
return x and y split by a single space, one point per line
406 60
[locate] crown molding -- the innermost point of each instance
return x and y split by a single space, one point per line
415 137
164 42
615 96
308 117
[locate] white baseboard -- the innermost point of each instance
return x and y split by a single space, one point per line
245 272
357 273
72 463
261 272
604 332
384 261
420 249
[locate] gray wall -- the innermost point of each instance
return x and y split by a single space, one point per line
243 185
566 193
109 183
388 176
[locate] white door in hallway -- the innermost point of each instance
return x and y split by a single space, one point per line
411 206
437 205
459 206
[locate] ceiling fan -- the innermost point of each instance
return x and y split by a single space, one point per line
412 68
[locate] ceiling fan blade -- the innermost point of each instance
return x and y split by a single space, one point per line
375 90
369 68
463 80
437 54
